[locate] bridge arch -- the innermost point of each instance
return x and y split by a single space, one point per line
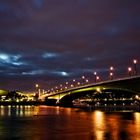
124 85
108 92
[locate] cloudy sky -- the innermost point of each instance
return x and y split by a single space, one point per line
53 41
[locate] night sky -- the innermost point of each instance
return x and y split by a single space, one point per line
50 42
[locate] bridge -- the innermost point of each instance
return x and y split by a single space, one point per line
120 89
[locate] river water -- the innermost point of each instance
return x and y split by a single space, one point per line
58 123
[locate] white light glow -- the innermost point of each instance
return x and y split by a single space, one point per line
50 55
34 72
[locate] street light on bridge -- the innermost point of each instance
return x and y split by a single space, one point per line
135 66
95 76
56 88
61 86
111 68
72 85
78 83
130 71
67 84
83 79
52 90
111 72
73 82
111 75
87 80
36 85
38 90
66 87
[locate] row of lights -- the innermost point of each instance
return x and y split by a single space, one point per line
86 81
68 85
130 71
65 86
111 74
98 79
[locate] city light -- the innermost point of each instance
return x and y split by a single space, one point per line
137 97
78 83
98 90
67 83
73 80
72 85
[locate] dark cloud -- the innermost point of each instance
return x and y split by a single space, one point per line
51 41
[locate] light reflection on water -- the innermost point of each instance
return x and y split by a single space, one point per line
16 110
99 124
54 123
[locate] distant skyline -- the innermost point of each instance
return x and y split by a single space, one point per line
50 42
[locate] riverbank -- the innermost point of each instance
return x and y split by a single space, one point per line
22 103
111 108
88 108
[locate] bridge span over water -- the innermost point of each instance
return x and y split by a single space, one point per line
123 85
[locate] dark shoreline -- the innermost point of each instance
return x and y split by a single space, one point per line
22 103
112 108
102 108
